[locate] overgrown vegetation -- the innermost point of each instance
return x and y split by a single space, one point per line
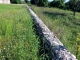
57 3
40 2
73 5
63 24
17 38
15 1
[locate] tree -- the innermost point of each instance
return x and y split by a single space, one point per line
16 1
40 2
74 5
58 3
33 1
61 3
26 1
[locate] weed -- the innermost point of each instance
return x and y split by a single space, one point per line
17 38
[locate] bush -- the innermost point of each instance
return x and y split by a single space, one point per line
16 1
26 1
33 2
58 4
42 2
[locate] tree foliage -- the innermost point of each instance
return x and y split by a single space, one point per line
57 3
33 1
74 5
40 2
26 1
16 1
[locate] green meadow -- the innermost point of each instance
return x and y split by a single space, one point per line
63 24
17 38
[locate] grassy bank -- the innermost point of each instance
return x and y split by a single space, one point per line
17 38
63 24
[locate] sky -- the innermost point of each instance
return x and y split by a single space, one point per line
52 0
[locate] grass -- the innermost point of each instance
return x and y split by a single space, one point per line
17 38
63 24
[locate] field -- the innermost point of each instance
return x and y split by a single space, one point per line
17 38
63 24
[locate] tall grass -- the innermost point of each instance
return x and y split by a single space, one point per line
17 38
63 24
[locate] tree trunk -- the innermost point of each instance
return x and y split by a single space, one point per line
74 13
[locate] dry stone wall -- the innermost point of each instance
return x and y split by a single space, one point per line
5 1
59 52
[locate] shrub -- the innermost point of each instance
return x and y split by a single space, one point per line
42 2
16 1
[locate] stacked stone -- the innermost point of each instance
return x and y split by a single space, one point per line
5 1
57 49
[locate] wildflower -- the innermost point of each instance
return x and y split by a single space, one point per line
78 39
4 48
3 56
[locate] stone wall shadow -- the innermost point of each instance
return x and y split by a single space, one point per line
44 52
54 14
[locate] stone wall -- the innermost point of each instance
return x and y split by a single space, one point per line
57 49
5 1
